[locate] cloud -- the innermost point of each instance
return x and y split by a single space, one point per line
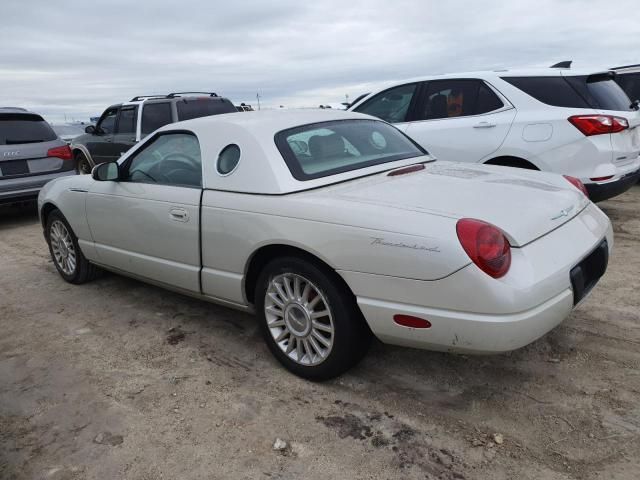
77 57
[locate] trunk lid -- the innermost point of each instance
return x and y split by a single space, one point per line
525 204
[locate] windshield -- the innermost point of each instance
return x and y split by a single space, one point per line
327 148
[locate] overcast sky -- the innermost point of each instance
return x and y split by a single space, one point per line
77 57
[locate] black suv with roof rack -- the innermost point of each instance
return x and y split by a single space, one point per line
123 125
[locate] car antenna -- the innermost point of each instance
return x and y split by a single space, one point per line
563 64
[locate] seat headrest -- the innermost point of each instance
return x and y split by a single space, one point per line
326 146
438 107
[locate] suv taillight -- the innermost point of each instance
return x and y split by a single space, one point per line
63 152
576 182
598 124
486 245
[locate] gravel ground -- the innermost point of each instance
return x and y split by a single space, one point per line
117 379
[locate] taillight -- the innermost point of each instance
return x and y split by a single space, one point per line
63 152
598 124
576 182
486 245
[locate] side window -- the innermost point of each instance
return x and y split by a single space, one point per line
391 105
108 120
154 116
127 120
169 159
202 107
554 91
449 98
228 159
487 101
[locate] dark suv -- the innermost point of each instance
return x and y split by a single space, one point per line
122 126
31 154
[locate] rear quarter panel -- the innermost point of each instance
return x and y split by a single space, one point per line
347 237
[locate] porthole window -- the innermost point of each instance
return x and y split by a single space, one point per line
228 159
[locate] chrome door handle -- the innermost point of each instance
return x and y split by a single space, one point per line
484 125
179 214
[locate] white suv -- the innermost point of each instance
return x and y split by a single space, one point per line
565 121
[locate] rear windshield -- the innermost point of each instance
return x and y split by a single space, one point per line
327 148
630 83
17 128
189 108
586 91
601 92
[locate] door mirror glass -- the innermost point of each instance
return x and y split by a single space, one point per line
90 129
106 172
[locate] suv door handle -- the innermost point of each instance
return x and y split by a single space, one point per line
178 214
484 125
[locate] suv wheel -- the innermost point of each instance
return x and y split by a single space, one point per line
311 325
82 164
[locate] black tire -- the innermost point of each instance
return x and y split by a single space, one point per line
83 271
83 166
351 334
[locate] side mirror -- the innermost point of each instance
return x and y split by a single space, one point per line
90 129
106 172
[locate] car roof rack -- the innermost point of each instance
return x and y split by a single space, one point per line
563 64
14 109
144 97
180 94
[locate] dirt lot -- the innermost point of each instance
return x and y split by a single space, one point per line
118 379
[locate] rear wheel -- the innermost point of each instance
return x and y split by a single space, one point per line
83 166
310 323
65 252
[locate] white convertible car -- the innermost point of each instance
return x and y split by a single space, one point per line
334 226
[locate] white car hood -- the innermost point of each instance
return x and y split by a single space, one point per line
524 204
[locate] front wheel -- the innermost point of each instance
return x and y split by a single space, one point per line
309 320
65 252
83 166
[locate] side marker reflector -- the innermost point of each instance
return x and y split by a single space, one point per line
411 321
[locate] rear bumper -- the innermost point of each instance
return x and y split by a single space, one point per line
603 191
462 332
26 188
472 312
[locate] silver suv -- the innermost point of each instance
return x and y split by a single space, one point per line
31 154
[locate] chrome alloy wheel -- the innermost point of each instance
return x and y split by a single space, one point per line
64 253
299 319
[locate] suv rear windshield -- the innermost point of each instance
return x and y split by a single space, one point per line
327 148
630 83
586 91
203 107
601 91
16 128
